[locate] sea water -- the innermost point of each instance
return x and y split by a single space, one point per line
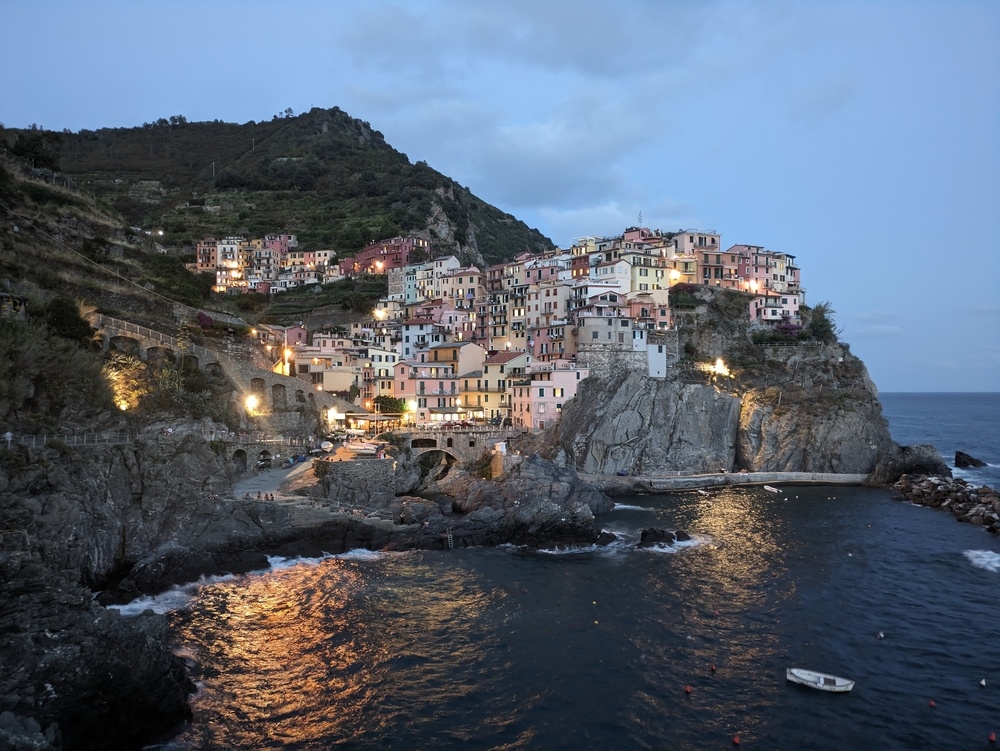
596 648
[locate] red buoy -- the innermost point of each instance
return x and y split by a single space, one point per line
993 738
932 703
736 740
687 689
713 667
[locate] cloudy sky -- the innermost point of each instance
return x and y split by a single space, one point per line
862 136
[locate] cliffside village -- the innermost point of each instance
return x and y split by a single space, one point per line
508 343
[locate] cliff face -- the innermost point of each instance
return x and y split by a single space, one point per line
101 510
792 409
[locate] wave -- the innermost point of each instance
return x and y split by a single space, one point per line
629 507
179 597
175 598
628 542
679 546
985 559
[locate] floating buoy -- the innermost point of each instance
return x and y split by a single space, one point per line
880 635
687 689
716 612
932 703
992 738
736 740
713 667
982 682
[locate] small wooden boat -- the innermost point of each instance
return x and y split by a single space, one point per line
771 489
820 681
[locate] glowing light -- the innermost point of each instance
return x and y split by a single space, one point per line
123 405
251 402
720 367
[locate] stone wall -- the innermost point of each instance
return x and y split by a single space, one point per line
605 362
360 482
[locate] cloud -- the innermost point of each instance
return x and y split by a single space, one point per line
873 324
611 218
817 101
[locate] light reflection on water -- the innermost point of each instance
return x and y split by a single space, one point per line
486 648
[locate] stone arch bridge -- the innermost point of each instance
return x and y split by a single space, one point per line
463 444
276 392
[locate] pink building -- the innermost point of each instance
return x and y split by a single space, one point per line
379 257
538 399
429 390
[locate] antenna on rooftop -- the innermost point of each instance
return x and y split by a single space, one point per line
640 218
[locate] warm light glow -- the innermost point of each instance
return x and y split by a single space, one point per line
251 402
720 367
123 405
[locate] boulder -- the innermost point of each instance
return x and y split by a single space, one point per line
908 460
963 460
655 536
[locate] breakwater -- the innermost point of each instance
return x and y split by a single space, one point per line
969 503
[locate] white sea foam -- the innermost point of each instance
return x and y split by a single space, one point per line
985 559
279 563
176 598
679 546
628 507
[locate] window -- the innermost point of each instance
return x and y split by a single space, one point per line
541 392
594 335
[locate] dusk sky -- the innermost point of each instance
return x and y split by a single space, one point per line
861 137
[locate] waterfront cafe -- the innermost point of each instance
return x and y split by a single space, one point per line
449 414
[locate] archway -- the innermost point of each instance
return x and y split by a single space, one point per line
278 397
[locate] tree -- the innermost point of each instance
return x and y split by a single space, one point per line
821 326
63 318
389 404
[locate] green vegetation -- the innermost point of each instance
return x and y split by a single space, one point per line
324 176
819 327
389 405
63 318
356 294
47 380
683 295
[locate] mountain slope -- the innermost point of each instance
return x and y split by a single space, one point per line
324 176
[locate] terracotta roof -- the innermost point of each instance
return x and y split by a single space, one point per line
502 357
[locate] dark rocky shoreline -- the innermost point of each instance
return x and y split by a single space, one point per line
979 505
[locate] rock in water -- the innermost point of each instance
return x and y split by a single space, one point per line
963 460
655 535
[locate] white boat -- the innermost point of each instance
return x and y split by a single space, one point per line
771 489
361 447
821 681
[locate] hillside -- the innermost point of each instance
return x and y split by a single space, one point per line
324 176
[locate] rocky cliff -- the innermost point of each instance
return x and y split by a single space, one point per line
807 408
76 675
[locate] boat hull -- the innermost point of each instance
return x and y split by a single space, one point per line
820 681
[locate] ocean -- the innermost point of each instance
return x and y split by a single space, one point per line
680 647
